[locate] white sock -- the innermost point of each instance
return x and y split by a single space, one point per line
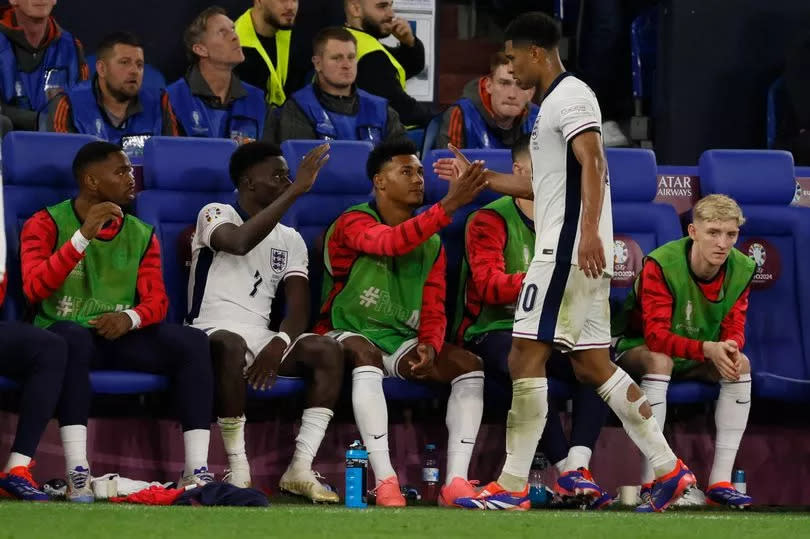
464 410
196 445
524 425
644 432
560 465
74 444
655 386
16 459
579 456
731 417
233 438
313 427
371 416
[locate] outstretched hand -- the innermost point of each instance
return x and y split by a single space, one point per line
310 166
451 168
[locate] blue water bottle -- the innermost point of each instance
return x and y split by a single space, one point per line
738 480
356 475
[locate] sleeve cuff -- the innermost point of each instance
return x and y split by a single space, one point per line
136 318
79 242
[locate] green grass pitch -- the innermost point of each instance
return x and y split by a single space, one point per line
61 520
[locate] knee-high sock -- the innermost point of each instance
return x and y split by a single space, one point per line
74 444
731 417
371 416
313 427
655 386
464 410
524 424
233 437
196 442
644 432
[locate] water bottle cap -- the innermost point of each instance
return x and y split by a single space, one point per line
738 476
430 447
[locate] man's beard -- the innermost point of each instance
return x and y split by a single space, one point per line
119 94
371 27
275 23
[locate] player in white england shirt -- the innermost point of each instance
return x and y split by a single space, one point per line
240 255
564 300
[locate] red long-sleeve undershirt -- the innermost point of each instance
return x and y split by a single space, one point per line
45 266
656 308
357 233
3 284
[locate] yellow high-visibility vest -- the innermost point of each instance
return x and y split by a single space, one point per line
278 72
367 43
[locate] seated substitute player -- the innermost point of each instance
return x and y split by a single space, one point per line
685 319
240 255
564 301
36 358
94 277
385 277
498 242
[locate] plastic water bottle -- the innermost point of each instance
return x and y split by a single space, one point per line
356 475
538 493
738 480
430 475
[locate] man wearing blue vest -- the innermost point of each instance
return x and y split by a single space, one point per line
383 70
492 113
211 101
37 60
114 106
331 108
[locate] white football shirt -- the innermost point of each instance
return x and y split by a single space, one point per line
568 109
230 289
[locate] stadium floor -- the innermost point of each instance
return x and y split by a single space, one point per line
21 519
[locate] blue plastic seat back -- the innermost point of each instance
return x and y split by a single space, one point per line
777 237
181 175
639 224
37 172
431 133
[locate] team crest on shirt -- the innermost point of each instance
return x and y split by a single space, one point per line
278 260
212 213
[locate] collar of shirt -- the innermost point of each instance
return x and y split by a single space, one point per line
134 107
342 104
200 88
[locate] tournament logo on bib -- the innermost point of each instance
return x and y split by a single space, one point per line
627 261
279 260
766 257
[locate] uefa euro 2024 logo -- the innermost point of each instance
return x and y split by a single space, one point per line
620 254
757 252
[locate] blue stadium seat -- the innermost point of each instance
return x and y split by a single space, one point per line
774 106
152 77
417 136
778 238
637 218
181 175
127 383
36 173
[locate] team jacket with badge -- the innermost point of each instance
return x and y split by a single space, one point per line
242 120
470 123
22 83
119 269
369 123
673 312
404 269
498 242
226 289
